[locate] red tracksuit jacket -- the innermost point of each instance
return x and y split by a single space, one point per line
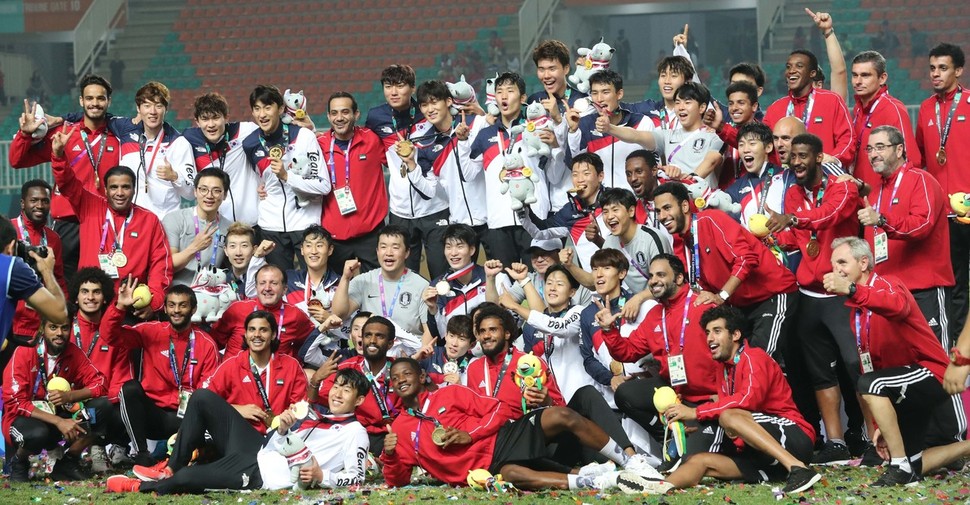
23 155
829 121
367 157
368 413
756 384
26 321
21 374
508 393
835 217
648 338
228 331
234 381
884 109
153 338
893 328
145 243
954 177
727 249
110 360
915 224
454 406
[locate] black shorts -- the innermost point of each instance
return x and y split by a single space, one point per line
757 466
522 442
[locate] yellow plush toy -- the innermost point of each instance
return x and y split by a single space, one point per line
529 374
480 479
663 398
960 203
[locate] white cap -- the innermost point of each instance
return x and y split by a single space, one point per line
546 245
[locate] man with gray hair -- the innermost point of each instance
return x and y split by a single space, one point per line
904 217
875 107
902 366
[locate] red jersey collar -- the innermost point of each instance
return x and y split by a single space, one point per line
883 90
797 100
678 297
949 95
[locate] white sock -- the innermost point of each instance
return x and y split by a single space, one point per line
902 464
573 481
615 453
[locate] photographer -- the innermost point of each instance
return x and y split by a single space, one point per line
44 295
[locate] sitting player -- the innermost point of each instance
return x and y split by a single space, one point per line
448 363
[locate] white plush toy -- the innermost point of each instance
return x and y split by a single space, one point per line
212 293
462 94
537 119
491 104
300 166
597 58
518 180
705 197
297 456
41 131
295 106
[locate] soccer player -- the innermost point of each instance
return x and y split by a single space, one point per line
197 235
465 279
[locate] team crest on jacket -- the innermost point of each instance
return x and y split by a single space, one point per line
405 299
699 145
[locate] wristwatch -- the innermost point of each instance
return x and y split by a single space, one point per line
852 289
882 221
958 359
724 295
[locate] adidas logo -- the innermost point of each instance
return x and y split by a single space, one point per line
631 483
708 431
933 322
76 149
657 329
165 352
246 379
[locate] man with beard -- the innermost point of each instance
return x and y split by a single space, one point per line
294 324
93 150
35 418
116 235
379 408
641 175
32 230
818 209
355 210
176 358
196 235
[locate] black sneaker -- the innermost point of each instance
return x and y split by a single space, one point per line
801 479
855 442
668 466
19 468
957 465
871 457
69 468
895 476
145 458
832 453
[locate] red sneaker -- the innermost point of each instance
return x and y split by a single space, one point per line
158 471
122 484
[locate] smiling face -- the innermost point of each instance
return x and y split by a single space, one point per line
865 81
846 266
884 157
785 130
607 279
391 253
398 95
492 336
741 108
618 219
36 205
673 215
316 252
269 286
342 117
640 177
722 342
90 299
689 111
259 335
669 81
119 189
152 113
456 345
267 116
804 164
663 284
542 260
799 73
753 153
95 102
552 75
606 96
407 382
178 308
558 291
343 397
458 253
55 337
587 179
213 126
376 340
239 250
437 113
943 75
210 193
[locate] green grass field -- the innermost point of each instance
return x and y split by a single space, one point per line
840 486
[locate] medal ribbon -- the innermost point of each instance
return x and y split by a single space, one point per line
24 234
807 113
156 146
221 155
42 367
867 123
94 164
263 390
943 130
119 239
818 201
421 416
695 259
380 392
899 179
501 375
407 131
680 145
683 324
186 360
729 382
77 338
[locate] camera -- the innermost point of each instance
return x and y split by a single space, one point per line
22 251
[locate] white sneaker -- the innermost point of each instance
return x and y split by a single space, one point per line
638 464
606 480
632 483
594 469
118 455
99 459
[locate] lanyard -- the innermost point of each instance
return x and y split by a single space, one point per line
25 234
94 164
156 146
421 417
943 130
280 325
892 197
282 145
186 360
695 255
77 338
380 392
761 197
397 292
670 159
221 156
867 123
807 113
42 367
668 124
215 244
683 324
729 381
407 132
858 330
263 390
501 375
818 200
333 172
119 239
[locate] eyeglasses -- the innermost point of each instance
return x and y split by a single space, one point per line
879 148
203 190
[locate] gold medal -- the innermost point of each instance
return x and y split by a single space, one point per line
119 259
299 114
812 248
616 368
270 418
276 152
941 156
438 436
405 148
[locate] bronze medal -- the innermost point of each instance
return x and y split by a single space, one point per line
941 156
616 368
313 302
119 259
438 436
812 248
270 417
276 152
